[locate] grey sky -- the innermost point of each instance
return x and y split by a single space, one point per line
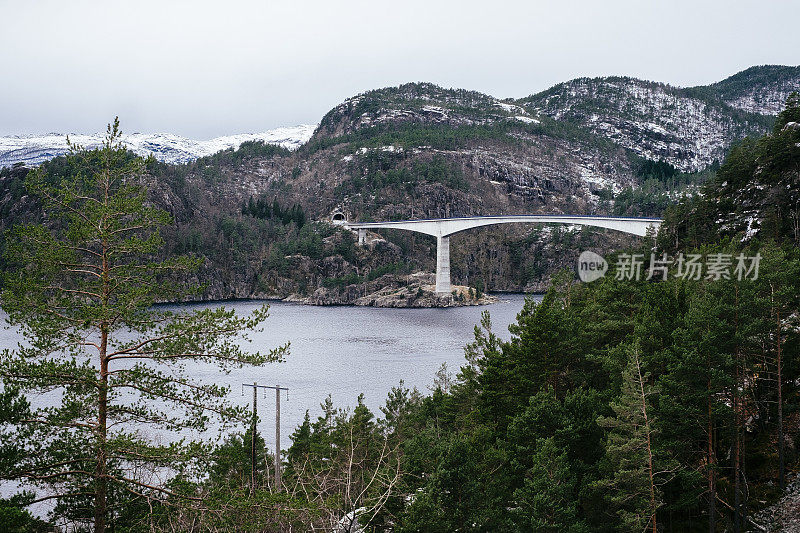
204 69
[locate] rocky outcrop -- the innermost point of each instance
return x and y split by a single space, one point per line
784 516
414 290
415 103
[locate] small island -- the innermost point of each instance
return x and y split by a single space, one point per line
390 290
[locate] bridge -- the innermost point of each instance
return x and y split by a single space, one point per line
443 228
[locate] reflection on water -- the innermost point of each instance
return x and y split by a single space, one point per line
345 351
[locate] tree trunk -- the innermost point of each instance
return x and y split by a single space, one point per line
712 495
736 459
781 473
737 424
743 477
649 449
102 426
101 473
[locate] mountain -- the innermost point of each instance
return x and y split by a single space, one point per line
605 146
166 147
419 150
689 129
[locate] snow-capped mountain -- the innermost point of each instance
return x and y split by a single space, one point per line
167 147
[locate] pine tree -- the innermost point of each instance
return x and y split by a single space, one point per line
776 297
547 498
15 446
630 450
81 290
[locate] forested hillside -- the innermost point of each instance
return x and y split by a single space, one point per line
754 196
667 402
761 89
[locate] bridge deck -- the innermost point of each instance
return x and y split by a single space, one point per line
442 228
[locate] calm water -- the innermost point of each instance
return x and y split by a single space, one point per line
345 351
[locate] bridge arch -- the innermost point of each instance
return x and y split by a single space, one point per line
443 228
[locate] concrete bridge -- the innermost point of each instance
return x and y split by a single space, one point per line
442 228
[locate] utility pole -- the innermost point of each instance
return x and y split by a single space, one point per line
278 437
253 436
278 390
253 440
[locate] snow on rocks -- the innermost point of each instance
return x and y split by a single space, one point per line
656 121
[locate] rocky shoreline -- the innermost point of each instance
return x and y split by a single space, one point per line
414 290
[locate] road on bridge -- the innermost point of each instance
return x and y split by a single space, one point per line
442 228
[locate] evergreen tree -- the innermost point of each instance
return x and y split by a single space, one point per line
772 302
630 450
547 499
699 379
554 438
15 446
81 290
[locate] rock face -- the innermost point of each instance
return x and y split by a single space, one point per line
419 151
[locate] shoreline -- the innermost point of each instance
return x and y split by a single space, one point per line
413 291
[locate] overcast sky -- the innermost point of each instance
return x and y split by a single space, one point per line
204 69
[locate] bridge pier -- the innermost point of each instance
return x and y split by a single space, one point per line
362 236
442 265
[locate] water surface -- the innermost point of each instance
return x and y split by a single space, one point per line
344 351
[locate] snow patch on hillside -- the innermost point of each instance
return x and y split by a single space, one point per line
766 103
653 120
526 120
